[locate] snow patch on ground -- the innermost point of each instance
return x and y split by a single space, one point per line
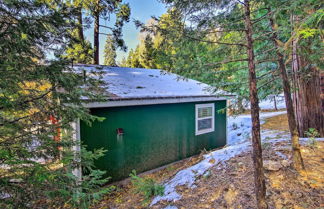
170 207
267 103
239 129
188 176
238 140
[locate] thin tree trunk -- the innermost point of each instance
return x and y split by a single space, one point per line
240 106
80 23
259 180
96 39
297 158
275 102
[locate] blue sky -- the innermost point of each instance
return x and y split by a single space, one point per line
140 10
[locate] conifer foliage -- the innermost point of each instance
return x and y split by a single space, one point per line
39 99
110 52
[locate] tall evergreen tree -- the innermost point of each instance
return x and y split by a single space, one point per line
207 20
147 55
79 49
39 98
104 9
110 52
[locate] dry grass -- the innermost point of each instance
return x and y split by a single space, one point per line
279 122
126 197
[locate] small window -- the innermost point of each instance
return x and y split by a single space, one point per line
204 118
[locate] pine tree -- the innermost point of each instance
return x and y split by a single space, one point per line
123 62
147 56
198 12
40 97
104 9
110 52
79 49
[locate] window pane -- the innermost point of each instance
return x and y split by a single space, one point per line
204 124
204 112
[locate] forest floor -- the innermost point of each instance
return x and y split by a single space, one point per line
227 182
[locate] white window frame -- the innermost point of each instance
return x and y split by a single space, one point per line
204 131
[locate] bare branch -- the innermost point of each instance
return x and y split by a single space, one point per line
241 2
106 27
106 34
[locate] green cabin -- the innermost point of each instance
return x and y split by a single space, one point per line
152 118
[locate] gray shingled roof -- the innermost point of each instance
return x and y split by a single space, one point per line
148 83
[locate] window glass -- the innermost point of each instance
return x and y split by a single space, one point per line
204 112
204 124
205 118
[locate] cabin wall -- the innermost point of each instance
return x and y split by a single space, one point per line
154 135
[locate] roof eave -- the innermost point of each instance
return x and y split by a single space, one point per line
136 101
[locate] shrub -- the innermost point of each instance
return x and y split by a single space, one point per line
312 133
146 186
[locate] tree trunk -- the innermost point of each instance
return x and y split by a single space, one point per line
307 94
240 106
275 102
96 39
297 158
80 23
259 180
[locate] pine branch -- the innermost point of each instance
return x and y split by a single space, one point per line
32 99
214 42
266 84
265 60
224 31
262 17
226 61
263 35
267 73
266 51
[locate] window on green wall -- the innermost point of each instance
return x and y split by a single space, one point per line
205 118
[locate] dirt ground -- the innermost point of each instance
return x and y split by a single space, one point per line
232 186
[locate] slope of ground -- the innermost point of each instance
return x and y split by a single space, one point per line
224 178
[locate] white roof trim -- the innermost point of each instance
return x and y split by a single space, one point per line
122 103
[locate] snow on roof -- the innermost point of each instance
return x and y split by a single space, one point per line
126 83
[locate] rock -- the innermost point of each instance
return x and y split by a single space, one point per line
285 163
15 180
272 165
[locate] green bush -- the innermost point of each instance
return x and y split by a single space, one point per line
146 186
312 133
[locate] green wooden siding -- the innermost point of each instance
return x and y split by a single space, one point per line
155 135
